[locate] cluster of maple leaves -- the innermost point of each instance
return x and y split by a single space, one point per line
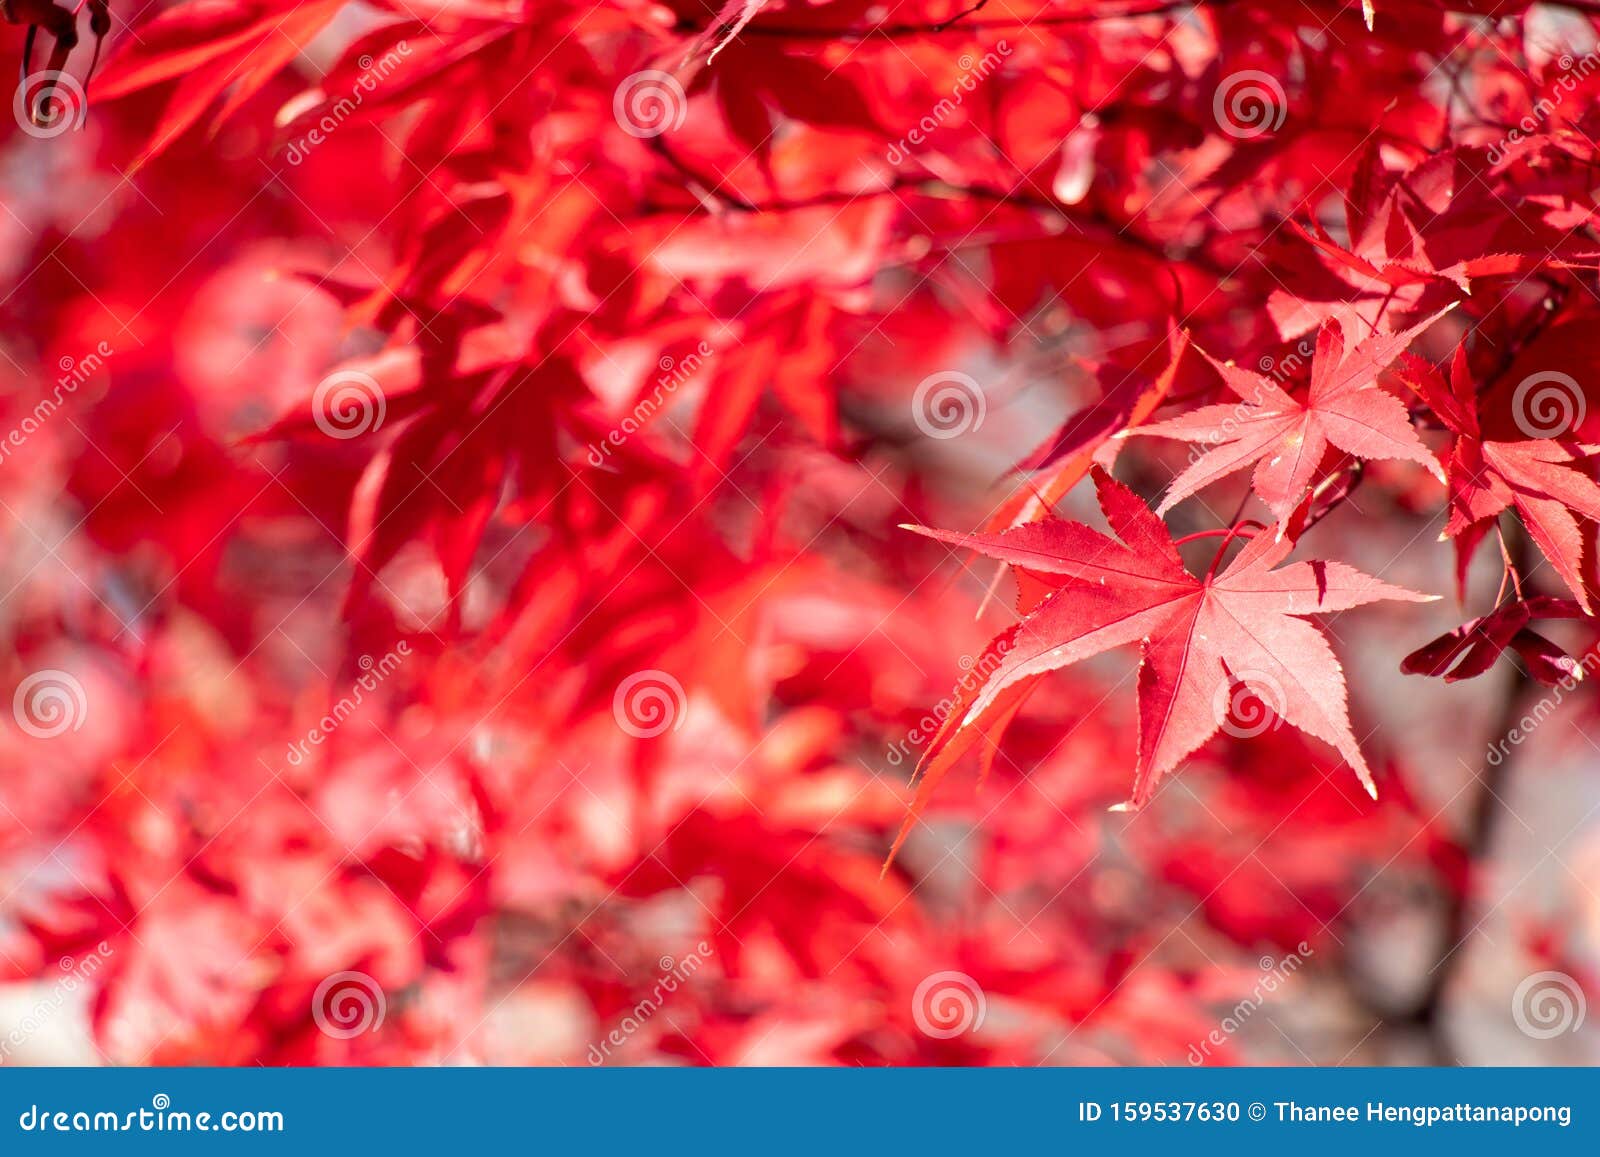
427 355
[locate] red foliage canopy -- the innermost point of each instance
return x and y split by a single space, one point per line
459 456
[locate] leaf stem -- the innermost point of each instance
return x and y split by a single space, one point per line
1510 564
1231 532
1237 530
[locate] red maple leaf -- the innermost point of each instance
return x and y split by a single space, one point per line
1472 648
1284 438
1541 477
1200 639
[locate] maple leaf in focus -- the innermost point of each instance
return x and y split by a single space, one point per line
1200 639
1286 439
1472 648
1541 477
